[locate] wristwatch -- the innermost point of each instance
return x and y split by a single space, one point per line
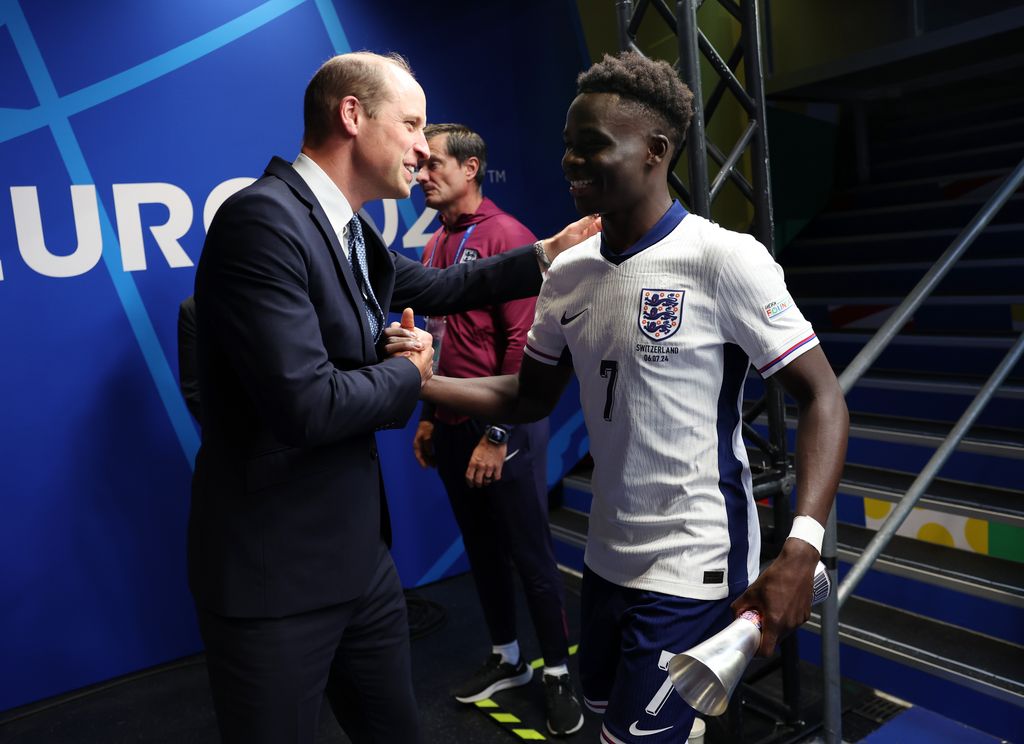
497 435
542 257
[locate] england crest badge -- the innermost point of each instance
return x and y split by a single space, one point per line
661 312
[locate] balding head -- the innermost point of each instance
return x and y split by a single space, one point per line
365 75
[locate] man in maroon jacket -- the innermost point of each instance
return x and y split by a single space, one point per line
495 474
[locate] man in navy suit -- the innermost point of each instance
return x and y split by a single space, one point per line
295 589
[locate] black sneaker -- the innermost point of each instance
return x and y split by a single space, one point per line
564 713
493 676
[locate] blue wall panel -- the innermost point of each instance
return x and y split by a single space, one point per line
97 445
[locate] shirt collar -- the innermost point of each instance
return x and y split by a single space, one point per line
668 222
335 205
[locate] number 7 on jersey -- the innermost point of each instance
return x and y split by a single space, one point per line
610 369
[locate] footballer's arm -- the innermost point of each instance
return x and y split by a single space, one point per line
782 593
529 396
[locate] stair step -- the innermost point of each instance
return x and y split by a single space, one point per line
973 660
917 216
971 500
985 440
909 381
920 267
1001 130
920 724
914 124
1003 275
967 314
948 161
936 298
1000 242
934 383
991 340
978 575
920 189
568 525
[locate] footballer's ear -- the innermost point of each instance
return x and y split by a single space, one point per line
658 148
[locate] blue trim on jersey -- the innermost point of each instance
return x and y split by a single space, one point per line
730 469
668 222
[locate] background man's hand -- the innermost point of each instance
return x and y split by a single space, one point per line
485 463
572 234
782 593
423 444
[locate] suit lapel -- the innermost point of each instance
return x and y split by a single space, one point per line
283 170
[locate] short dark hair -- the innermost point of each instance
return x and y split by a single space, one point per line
462 143
651 84
359 74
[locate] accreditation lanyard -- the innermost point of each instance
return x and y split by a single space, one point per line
436 325
458 252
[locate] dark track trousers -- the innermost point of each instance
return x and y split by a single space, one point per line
505 525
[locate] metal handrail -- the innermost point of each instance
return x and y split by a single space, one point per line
917 488
853 372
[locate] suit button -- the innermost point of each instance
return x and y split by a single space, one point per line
373 452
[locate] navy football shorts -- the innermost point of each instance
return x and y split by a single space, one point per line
626 641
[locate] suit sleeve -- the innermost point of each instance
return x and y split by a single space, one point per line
466 285
188 376
254 308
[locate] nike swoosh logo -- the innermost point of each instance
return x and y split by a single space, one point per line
637 731
567 319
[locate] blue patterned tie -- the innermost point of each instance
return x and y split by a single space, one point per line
357 255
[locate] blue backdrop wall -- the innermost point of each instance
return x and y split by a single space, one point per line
123 126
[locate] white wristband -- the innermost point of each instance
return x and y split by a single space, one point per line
807 529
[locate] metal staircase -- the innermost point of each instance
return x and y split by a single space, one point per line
953 613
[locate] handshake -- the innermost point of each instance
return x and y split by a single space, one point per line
405 339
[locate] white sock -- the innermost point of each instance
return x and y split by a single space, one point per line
556 671
509 652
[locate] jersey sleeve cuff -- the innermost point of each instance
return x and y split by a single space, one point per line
793 351
541 356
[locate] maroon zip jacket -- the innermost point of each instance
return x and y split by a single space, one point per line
490 340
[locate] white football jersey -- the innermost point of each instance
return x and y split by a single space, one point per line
661 339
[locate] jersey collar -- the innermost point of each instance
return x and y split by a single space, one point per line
668 222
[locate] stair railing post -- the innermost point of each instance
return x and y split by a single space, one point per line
832 715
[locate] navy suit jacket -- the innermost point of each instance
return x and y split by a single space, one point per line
188 378
288 506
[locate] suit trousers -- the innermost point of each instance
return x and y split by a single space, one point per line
269 676
505 525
